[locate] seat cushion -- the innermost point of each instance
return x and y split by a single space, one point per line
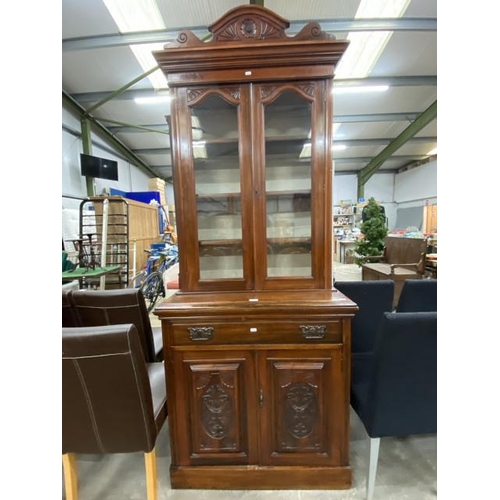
158 342
156 373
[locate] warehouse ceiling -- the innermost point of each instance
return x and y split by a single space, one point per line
385 114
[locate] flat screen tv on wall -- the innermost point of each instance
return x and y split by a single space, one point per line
101 168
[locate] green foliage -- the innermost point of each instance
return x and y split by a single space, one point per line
374 232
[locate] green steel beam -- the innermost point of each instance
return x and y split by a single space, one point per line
139 127
112 95
99 128
87 149
343 25
421 121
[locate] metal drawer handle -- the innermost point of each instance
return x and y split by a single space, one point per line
200 332
311 332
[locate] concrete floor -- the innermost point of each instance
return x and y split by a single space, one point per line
406 470
407 467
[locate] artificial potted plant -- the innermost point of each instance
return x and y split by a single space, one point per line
374 231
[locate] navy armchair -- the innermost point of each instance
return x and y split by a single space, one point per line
418 296
373 298
397 395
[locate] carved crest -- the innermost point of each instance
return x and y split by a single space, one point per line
216 410
301 410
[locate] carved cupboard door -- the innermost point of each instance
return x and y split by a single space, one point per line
301 399
214 408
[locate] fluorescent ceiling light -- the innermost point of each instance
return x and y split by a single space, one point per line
144 55
381 8
433 152
362 54
135 15
360 89
365 47
339 147
140 15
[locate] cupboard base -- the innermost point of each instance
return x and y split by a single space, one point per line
260 478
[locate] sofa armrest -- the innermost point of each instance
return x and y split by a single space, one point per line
413 266
418 267
366 258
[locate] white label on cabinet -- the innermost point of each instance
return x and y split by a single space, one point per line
253 300
253 330
248 73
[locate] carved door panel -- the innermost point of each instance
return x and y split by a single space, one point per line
216 407
301 401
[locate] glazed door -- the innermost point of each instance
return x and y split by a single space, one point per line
253 186
214 408
214 188
293 171
301 398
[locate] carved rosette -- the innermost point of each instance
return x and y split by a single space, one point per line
248 28
301 410
249 22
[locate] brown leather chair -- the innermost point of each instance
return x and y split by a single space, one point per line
69 318
112 400
119 306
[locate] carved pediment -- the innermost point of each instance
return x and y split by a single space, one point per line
249 22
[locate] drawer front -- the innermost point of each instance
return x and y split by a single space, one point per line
262 332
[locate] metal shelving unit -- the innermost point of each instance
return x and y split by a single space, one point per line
109 232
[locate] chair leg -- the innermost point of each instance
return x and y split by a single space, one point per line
151 477
372 467
70 476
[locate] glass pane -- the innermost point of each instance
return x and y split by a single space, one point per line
288 185
218 189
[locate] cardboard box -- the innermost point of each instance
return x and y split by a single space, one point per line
157 184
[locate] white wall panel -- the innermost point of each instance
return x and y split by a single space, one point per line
70 120
72 181
419 183
381 187
345 187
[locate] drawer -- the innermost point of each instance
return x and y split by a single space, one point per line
262 332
